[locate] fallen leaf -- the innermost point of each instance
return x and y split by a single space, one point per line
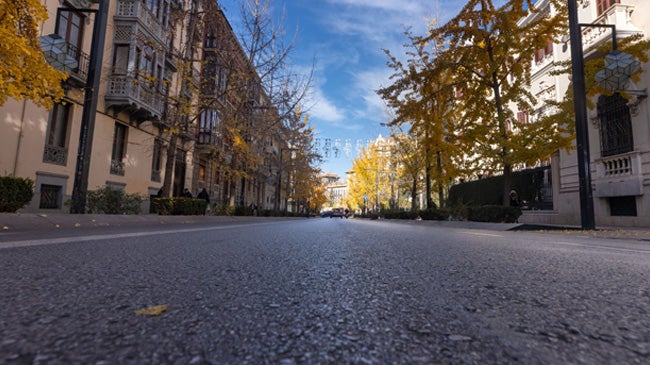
5 227
57 226
77 224
156 310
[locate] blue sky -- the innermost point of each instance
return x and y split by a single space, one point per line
346 38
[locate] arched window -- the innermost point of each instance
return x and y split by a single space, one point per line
615 125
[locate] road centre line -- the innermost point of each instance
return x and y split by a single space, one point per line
48 241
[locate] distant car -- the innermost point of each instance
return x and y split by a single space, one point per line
337 212
325 214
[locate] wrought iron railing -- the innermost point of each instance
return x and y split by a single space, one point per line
117 167
55 155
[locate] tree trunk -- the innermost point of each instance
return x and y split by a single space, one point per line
507 184
414 194
169 166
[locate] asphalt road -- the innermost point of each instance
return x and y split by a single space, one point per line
324 291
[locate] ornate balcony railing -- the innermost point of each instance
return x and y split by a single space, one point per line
619 175
117 167
619 15
55 155
135 10
617 165
127 90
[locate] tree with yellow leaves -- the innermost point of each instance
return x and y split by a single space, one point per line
483 57
370 184
24 72
421 98
489 52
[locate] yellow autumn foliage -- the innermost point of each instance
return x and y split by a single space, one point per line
24 70
153 311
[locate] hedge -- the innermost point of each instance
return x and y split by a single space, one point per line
113 201
179 206
15 193
489 191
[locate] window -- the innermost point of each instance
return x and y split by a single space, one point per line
615 125
146 62
50 196
56 151
603 5
154 7
202 171
210 40
156 161
623 206
121 59
71 26
119 149
542 53
208 122
522 117
58 128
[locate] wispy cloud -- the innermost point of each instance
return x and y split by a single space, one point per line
320 107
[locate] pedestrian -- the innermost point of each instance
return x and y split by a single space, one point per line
204 195
514 199
186 193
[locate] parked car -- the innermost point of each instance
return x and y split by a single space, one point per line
337 212
325 214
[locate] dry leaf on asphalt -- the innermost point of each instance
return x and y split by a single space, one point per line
156 310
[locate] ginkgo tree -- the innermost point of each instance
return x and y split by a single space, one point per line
303 186
370 184
421 97
24 72
489 51
482 65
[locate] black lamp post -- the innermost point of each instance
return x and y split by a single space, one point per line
582 134
82 168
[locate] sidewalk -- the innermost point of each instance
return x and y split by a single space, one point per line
17 222
632 233
41 221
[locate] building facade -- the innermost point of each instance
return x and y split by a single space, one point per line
618 127
150 127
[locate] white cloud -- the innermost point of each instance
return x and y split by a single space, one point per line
321 108
366 84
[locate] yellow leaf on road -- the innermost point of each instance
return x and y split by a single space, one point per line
156 310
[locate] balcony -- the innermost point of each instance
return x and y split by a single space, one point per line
55 155
134 11
619 15
117 167
619 175
127 93
65 57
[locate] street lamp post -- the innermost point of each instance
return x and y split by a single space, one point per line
582 134
89 112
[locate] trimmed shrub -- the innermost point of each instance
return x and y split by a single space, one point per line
179 206
489 191
434 214
399 214
494 214
243 210
223 209
113 201
15 193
